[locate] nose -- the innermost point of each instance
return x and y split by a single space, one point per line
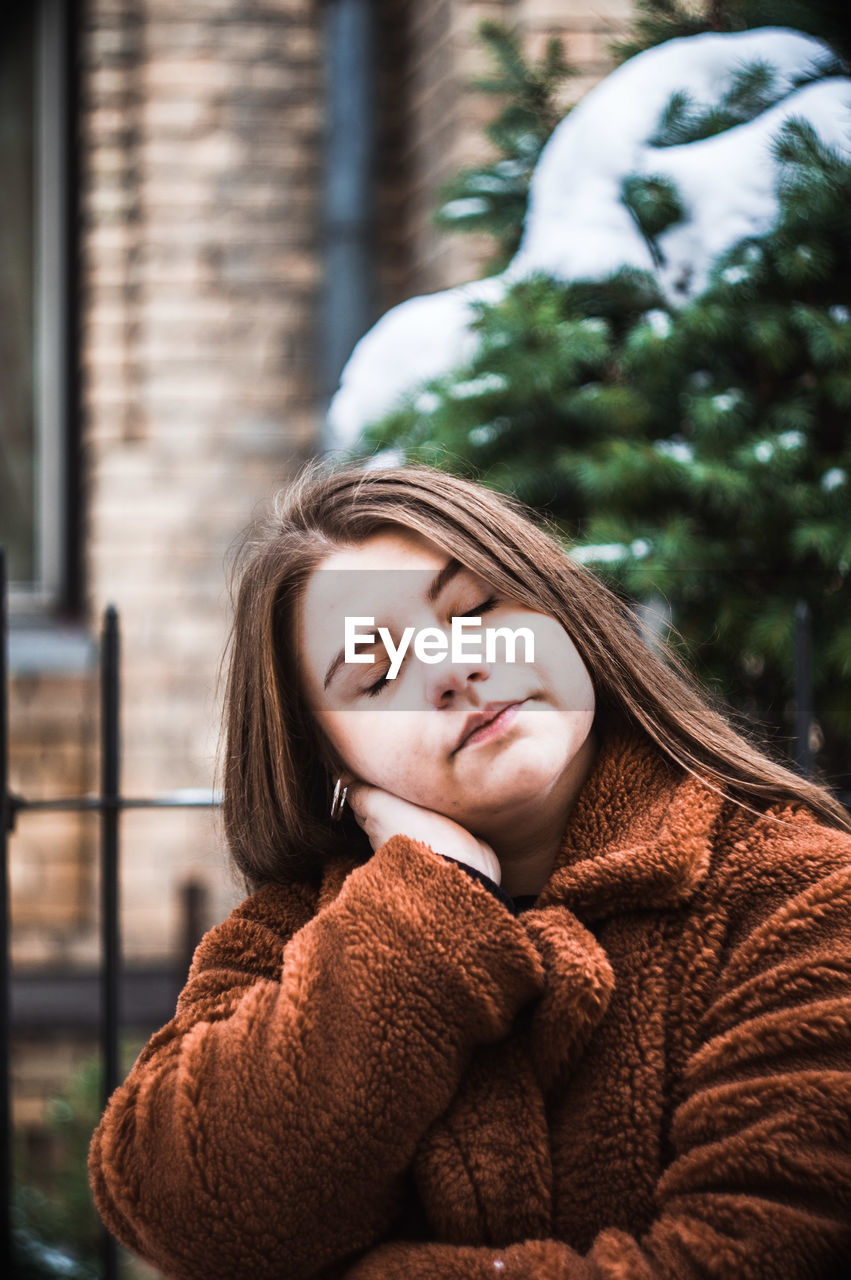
446 680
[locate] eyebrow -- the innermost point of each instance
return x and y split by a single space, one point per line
440 580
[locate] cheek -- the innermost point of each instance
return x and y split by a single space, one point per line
350 738
565 669
396 756
379 747
582 689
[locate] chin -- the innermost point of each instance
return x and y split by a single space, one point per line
523 792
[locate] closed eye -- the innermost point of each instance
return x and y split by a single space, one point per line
373 689
484 607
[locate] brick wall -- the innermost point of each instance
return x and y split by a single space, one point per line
201 127
53 726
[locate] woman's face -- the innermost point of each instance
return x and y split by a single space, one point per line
410 735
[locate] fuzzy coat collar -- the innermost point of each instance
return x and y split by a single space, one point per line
638 839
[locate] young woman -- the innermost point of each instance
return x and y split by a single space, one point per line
545 972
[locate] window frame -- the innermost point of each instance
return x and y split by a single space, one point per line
52 589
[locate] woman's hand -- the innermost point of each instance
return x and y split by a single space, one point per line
383 815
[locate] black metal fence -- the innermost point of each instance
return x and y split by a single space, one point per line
109 803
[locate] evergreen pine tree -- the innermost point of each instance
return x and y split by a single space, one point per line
660 20
701 456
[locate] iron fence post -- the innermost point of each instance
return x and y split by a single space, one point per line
110 802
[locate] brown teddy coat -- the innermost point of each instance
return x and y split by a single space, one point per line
645 1076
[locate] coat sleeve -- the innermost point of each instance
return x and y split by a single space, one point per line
268 1128
760 1183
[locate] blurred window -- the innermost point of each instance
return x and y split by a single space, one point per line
33 301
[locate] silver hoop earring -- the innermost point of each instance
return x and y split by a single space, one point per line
338 803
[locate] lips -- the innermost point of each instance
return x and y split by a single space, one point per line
481 718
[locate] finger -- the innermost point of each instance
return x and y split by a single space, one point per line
356 797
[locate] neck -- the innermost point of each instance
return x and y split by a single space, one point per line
527 852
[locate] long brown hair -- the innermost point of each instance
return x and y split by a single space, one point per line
277 765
